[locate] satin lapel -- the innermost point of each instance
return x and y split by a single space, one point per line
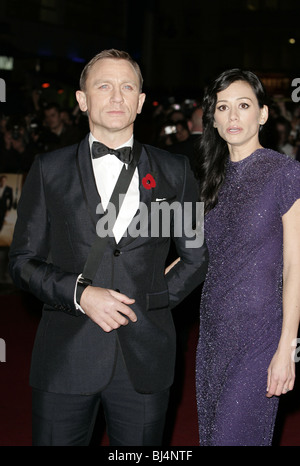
146 195
145 168
161 190
87 179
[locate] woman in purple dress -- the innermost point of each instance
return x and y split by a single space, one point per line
250 303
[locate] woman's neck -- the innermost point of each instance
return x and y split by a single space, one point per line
238 153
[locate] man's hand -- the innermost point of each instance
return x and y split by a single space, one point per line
107 308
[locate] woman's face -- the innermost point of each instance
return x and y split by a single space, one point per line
238 116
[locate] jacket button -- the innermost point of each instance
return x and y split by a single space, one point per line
117 252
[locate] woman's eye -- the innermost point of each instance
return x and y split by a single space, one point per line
244 105
222 108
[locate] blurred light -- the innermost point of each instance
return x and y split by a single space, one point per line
60 91
74 57
292 40
45 85
252 5
155 103
6 63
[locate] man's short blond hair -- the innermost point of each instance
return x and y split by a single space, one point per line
114 54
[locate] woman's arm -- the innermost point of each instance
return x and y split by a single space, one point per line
281 372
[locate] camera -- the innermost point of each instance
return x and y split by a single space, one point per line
170 129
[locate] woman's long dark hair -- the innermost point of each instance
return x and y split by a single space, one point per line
213 151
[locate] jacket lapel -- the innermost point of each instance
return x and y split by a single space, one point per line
87 179
145 195
161 190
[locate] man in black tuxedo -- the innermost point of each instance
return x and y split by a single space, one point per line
109 340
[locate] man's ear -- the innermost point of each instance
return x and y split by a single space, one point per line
142 98
81 99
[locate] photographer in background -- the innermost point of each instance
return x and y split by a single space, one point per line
57 133
17 154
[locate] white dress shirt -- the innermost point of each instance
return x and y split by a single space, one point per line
106 171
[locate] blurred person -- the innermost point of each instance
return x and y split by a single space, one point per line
182 130
6 199
284 128
195 122
249 313
17 156
166 135
175 114
188 146
60 134
107 339
6 204
66 117
282 107
5 141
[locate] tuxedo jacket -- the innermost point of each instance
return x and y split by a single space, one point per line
56 226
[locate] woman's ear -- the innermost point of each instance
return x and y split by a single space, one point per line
264 114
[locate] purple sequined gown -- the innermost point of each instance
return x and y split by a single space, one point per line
241 305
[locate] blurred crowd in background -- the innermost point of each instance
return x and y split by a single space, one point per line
172 124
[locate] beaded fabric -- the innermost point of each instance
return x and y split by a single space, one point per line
241 303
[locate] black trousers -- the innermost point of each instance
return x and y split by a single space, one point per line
132 419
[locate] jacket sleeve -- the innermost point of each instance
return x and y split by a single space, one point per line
29 257
191 270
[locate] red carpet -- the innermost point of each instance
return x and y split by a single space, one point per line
17 327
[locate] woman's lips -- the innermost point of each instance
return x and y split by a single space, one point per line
234 130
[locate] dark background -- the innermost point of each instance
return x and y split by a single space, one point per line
180 45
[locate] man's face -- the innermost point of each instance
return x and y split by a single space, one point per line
112 98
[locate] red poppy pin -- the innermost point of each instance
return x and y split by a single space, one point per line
148 181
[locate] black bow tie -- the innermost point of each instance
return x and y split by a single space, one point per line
124 153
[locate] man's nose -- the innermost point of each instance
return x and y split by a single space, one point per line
117 95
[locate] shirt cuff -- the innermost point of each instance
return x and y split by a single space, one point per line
77 305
